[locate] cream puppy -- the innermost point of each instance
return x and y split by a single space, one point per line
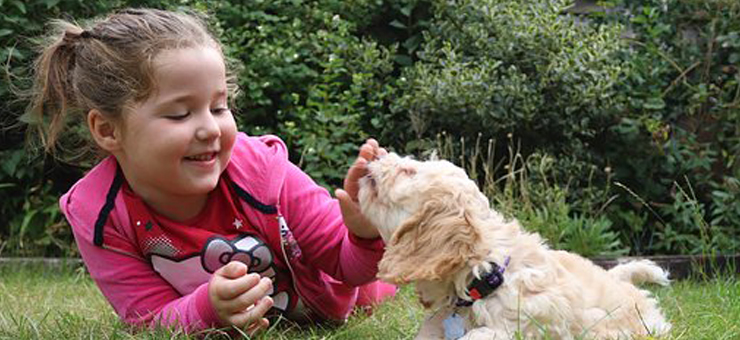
481 276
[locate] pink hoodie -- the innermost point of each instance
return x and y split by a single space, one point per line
327 263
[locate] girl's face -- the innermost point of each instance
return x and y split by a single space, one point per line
176 143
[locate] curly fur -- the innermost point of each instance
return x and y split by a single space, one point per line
440 233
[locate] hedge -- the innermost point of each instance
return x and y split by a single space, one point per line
610 132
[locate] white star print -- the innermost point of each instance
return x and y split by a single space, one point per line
237 223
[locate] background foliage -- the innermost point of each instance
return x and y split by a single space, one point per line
611 132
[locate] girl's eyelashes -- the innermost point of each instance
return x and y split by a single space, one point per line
216 111
220 110
178 116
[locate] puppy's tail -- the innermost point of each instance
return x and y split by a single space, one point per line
640 271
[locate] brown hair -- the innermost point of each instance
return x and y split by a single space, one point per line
106 66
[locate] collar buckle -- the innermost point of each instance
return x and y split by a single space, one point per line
483 287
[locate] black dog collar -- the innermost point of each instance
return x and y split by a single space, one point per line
480 288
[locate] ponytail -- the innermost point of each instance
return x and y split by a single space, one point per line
53 94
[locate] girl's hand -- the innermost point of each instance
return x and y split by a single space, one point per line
353 218
240 299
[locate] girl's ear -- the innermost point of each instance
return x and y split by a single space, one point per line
104 131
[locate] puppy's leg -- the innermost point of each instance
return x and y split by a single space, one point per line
485 333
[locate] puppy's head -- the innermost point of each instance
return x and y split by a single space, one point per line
426 213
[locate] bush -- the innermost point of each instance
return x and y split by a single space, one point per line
307 78
634 112
645 95
678 140
499 67
491 68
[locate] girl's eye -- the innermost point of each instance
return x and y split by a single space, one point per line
178 117
220 110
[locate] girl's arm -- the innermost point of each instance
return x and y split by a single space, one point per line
315 220
139 295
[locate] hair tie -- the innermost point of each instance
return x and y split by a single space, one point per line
72 37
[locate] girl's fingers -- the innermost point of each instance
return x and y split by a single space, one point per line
232 270
373 143
367 152
382 152
253 314
370 150
355 172
257 326
230 289
249 298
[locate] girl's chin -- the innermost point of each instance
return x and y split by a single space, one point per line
202 180
202 185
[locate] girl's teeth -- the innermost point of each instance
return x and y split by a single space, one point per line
201 157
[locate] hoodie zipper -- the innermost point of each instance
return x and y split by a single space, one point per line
283 243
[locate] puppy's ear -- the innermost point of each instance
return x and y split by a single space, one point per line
431 244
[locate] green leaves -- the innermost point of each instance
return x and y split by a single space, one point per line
648 90
309 77
654 103
509 66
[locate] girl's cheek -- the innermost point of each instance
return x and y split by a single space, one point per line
230 134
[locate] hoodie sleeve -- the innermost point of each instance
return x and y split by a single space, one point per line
315 219
313 216
138 294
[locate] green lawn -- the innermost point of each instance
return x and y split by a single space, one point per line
38 303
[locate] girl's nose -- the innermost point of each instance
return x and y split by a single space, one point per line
208 127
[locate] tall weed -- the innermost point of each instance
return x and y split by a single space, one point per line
525 189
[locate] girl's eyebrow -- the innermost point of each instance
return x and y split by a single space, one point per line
220 94
186 97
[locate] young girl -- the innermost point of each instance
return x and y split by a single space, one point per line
187 222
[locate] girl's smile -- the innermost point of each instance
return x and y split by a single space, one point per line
205 157
204 160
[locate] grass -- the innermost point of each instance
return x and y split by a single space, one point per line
38 303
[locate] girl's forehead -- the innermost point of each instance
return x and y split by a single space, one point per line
187 72
176 60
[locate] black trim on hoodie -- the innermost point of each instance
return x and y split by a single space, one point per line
110 200
264 208
115 187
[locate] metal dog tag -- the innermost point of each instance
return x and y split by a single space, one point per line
454 326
